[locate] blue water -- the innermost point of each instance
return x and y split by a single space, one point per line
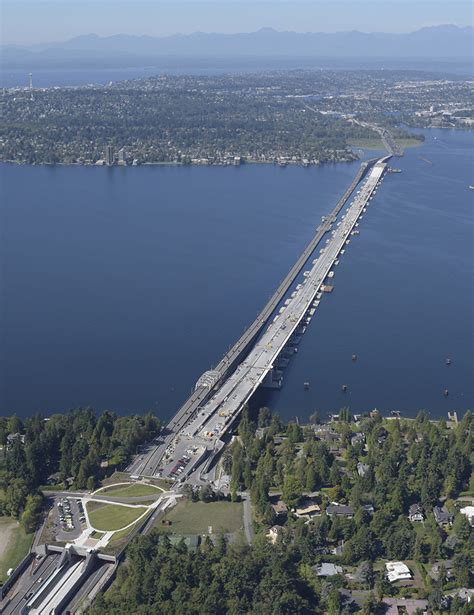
48 76
119 287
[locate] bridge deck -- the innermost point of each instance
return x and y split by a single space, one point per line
148 463
215 416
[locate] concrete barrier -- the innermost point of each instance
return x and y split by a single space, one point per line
5 588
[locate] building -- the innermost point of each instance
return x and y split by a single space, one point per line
12 437
468 511
280 508
308 509
122 157
362 468
398 571
447 564
442 517
415 513
358 438
396 606
326 569
340 510
109 155
274 532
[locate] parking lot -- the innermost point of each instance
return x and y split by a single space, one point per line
68 518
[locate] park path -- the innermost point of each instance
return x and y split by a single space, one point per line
248 522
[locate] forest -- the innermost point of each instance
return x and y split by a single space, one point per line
77 448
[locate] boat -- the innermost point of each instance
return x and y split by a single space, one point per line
354 357
445 392
344 388
448 361
471 187
306 385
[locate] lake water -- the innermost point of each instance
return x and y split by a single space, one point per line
120 286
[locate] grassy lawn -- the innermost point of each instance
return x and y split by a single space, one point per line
196 517
110 517
129 491
377 143
14 545
97 535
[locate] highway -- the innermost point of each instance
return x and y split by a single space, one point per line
29 582
147 463
217 415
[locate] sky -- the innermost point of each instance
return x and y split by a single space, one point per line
27 22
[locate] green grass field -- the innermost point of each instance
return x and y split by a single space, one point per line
196 517
111 517
129 491
377 143
97 535
14 545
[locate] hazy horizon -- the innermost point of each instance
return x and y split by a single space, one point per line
28 22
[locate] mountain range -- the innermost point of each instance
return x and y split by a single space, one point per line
446 41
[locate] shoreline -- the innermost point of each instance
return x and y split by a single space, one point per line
177 164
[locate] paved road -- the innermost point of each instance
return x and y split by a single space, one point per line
30 581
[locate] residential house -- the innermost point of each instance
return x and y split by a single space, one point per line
326 569
398 571
442 517
358 438
308 509
362 468
280 508
274 532
468 511
436 569
415 513
338 549
339 510
15 436
408 606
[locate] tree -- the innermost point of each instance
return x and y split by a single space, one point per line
206 494
461 527
14 424
371 605
292 491
15 497
334 602
462 563
31 515
365 574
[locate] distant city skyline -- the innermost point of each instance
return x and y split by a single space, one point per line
27 22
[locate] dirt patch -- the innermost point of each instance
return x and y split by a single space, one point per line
7 533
